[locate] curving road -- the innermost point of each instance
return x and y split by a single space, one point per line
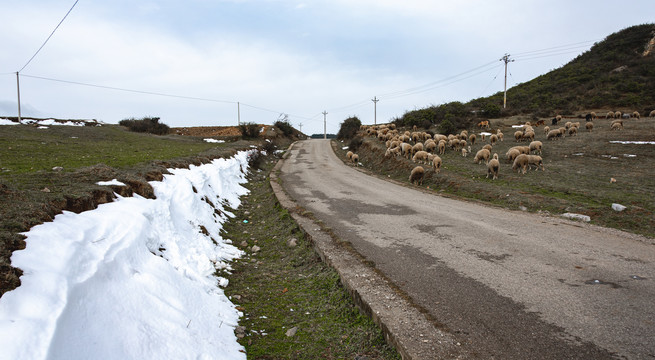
505 284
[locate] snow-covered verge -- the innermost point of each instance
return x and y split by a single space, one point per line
49 122
133 279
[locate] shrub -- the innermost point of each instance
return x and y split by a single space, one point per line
349 128
147 125
285 127
355 143
249 130
447 127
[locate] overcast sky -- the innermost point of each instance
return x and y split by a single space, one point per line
283 56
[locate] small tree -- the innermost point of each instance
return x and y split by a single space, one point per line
284 125
249 130
349 128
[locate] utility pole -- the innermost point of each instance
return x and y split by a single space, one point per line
375 110
300 125
238 113
506 60
18 91
324 125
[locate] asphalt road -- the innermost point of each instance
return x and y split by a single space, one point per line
506 284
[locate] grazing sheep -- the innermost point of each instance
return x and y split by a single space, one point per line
483 136
441 147
520 163
462 144
492 167
617 115
589 126
512 154
518 135
464 152
355 159
553 135
616 126
529 135
349 155
537 161
430 146
536 146
488 147
593 115
500 135
562 131
416 176
436 164
493 139
573 131
558 118
406 149
483 154
472 138
652 114
540 122
610 115
546 129
636 115
567 125
420 156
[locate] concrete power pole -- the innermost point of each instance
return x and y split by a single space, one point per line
375 110
238 113
18 90
324 125
300 125
506 60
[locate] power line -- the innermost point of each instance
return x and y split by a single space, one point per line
46 40
130 90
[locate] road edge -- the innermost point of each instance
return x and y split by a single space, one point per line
404 326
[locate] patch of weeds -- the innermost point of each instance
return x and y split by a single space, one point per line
282 287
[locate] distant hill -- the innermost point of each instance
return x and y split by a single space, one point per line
617 73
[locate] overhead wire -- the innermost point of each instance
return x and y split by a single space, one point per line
46 40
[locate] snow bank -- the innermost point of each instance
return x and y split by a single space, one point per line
633 142
133 279
43 123
210 140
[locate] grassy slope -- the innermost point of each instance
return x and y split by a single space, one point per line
32 193
571 183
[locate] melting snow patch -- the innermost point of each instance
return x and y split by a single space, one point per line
578 154
618 207
580 217
629 155
8 122
344 148
485 133
633 142
210 140
518 126
144 289
110 182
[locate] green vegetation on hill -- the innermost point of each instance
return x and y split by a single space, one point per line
615 74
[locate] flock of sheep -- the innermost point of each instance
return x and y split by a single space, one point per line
424 148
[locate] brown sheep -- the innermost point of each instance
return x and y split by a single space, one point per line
652 114
636 115
500 135
573 131
616 126
546 129
355 159
416 176
610 115
473 137
589 126
436 164
349 155
492 167
520 163
617 114
482 155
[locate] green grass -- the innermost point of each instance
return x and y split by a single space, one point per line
282 287
570 183
25 149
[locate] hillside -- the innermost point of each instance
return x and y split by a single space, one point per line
615 74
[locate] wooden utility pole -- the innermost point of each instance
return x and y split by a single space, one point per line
506 60
238 113
375 110
324 125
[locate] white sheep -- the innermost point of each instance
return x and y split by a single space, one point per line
493 166
652 114
355 159
512 154
436 164
417 147
546 129
493 139
636 115
537 161
472 138
441 147
616 126
416 176
610 115
420 156
464 152
536 146
349 155
406 149
573 131
520 163
483 154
